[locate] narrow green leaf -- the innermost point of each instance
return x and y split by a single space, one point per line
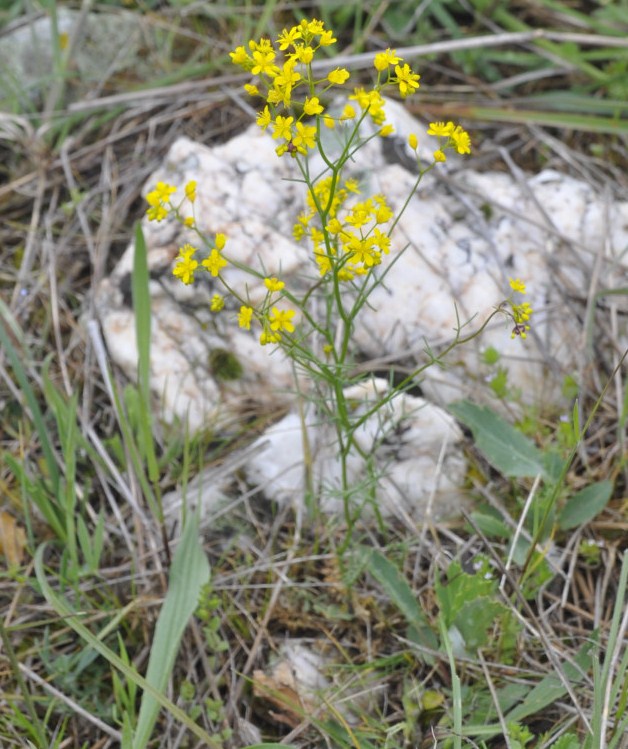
141 307
72 619
566 120
189 572
551 688
396 586
36 415
509 451
585 505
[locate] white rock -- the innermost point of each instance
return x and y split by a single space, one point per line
416 448
462 236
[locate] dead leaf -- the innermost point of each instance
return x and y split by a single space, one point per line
12 539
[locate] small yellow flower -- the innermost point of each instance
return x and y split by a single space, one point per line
264 118
186 265
264 63
314 27
220 242
240 57
305 137
413 141
329 122
516 284
461 140
441 129
327 38
214 263
439 156
406 79
157 213
244 317
304 54
282 127
267 337
348 113
383 60
288 38
273 284
281 320
338 76
251 89
190 190
312 106
522 312
334 226
386 131
217 303
189 222
163 191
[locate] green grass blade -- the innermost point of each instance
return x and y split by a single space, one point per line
551 688
189 572
29 395
582 122
141 306
72 619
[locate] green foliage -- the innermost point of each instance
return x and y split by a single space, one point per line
396 586
583 506
470 603
189 572
503 446
225 365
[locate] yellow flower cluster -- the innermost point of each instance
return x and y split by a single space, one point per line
273 320
185 264
520 313
450 136
352 242
161 204
279 79
348 235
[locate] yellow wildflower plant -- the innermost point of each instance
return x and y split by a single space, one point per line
348 233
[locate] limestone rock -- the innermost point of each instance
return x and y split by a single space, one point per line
458 242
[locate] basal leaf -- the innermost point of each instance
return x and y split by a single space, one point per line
509 451
585 505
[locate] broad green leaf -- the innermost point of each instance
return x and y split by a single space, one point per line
476 619
509 451
189 572
585 505
396 586
459 589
